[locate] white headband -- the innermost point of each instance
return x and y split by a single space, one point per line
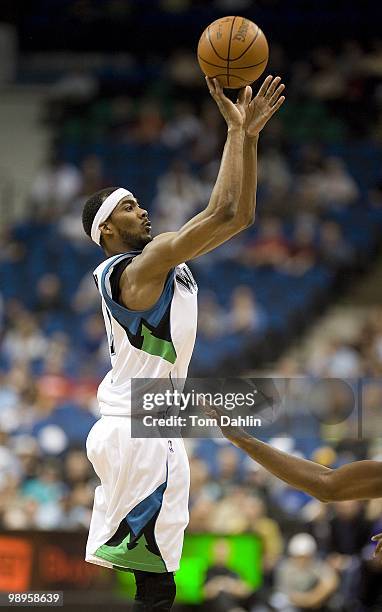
105 211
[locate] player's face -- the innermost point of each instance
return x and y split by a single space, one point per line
131 223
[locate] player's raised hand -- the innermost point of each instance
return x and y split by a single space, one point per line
233 113
264 105
378 549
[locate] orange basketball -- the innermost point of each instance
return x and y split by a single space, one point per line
234 50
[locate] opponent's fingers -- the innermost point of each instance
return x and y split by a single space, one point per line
265 85
275 96
272 86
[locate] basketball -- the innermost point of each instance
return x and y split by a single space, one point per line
234 50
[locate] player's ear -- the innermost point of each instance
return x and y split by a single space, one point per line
105 228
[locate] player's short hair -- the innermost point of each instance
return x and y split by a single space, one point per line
92 206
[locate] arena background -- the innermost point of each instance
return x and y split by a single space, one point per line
108 92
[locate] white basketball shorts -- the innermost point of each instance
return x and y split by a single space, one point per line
140 508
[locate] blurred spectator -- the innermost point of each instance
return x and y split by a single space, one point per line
92 175
306 582
224 590
149 124
183 128
56 185
369 578
11 249
334 249
228 516
337 358
269 248
183 69
205 149
303 252
245 314
211 316
274 175
47 486
375 195
348 531
24 340
49 296
75 87
338 188
86 297
8 52
93 334
77 467
228 466
327 82
179 196
268 530
372 61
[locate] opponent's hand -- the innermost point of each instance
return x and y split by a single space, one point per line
378 549
264 105
233 113
233 433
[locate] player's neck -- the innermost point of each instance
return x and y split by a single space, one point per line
117 248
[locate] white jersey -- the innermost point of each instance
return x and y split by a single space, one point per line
154 343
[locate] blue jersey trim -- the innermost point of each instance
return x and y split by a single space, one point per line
132 318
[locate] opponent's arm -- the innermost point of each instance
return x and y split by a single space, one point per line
258 112
358 480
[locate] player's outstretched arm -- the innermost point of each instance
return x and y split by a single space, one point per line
219 221
358 480
258 112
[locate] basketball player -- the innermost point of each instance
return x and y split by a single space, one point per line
357 480
149 306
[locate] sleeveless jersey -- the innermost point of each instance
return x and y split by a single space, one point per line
154 343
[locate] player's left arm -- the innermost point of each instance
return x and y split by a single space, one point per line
259 111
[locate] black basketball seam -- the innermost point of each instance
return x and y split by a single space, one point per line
210 63
229 49
211 43
235 68
215 76
250 45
